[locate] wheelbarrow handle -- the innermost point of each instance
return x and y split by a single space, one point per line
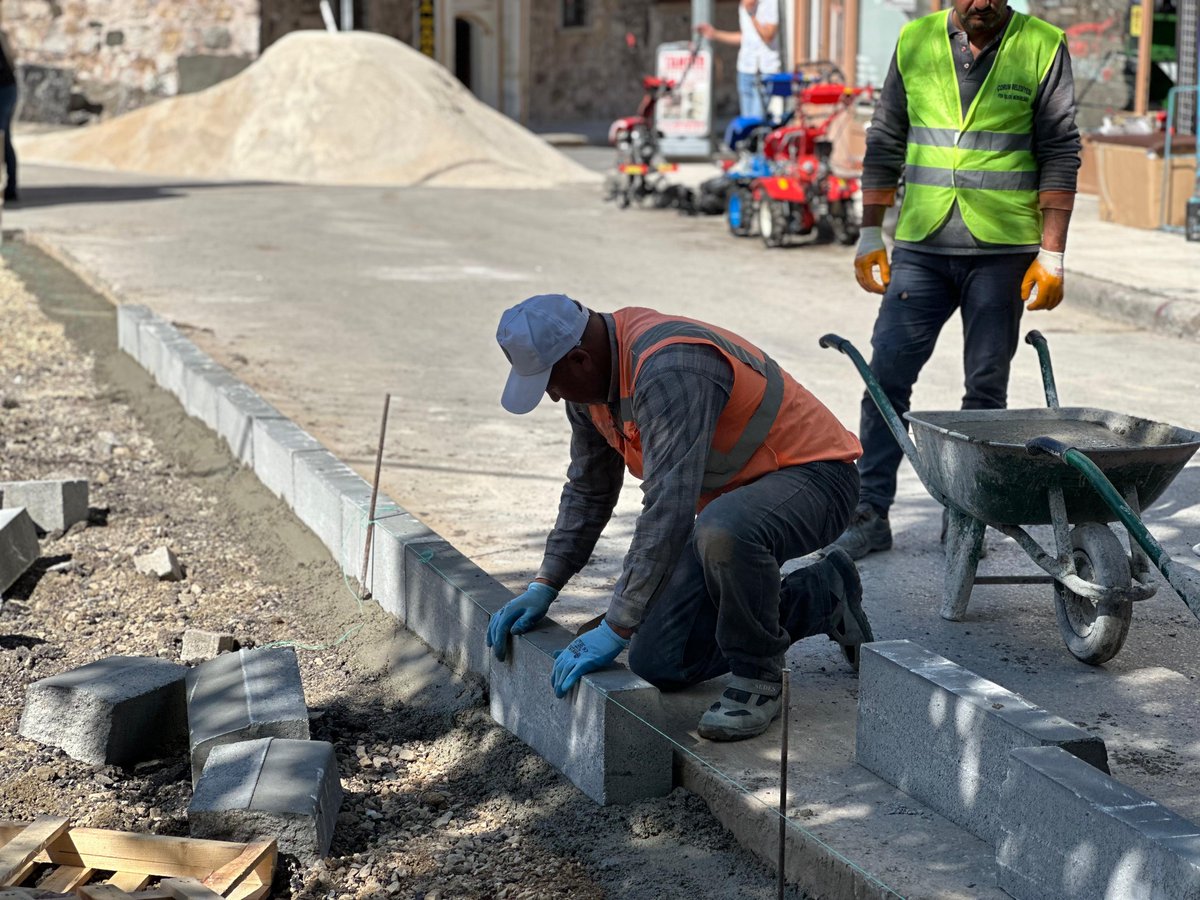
1183 580
1038 342
836 342
894 423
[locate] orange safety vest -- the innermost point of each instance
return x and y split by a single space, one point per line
769 423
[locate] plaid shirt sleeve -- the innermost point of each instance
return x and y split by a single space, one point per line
680 394
593 486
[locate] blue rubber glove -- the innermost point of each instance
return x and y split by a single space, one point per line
587 653
518 615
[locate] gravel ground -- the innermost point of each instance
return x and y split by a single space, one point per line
439 801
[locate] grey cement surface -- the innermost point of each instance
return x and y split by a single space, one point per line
1132 848
402 290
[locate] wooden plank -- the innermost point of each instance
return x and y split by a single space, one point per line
247 891
146 853
237 870
16 855
188 889
65 879
129 881
102 892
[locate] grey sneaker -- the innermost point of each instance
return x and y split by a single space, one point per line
745 709
848 624
868 532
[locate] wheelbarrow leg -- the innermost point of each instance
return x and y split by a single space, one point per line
964 544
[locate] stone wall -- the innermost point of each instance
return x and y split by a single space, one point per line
591 73
391 17
122 53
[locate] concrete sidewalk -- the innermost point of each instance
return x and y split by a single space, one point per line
402 290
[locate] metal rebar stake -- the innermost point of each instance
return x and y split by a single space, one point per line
783 772
367 544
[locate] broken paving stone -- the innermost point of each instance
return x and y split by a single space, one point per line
199 646
160 563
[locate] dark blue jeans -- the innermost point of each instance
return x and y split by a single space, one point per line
723 608
8 103
925 290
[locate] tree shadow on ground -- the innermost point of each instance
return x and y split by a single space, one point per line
37 196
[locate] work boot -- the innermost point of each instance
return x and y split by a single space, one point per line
868 531
745 709
848 624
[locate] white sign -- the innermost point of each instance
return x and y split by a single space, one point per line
686 110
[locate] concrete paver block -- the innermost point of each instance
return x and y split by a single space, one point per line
115 711
200 646
18 545
1068 830
243 696
238 408
392 534
356 512
593 735
942 734
53 505
285 788
276 443
202 387
321 483
129 320
160 563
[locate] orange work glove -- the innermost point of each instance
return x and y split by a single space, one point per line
1046 274
871 253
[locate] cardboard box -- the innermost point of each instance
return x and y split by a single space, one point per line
1129 179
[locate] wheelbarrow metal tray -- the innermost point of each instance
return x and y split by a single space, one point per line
977 458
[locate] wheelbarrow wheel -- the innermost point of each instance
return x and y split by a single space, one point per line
1095 632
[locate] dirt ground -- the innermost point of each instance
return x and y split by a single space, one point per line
439 801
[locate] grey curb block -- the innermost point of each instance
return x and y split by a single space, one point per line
1176 316
942 734
593 737
1132 848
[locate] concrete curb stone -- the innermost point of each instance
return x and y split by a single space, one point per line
1068 830
286 788
243 696
53 505
277 442
941 733
19 547
115 711
1178 316
322 484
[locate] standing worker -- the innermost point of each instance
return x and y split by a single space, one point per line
8 104
757 41
978 109
710 423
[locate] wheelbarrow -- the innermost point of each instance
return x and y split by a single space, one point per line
1074 468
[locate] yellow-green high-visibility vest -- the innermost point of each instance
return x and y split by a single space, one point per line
983 159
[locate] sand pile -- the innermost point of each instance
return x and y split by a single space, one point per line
356 108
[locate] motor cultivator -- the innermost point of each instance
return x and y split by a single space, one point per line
802 193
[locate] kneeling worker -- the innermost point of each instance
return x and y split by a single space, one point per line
742 469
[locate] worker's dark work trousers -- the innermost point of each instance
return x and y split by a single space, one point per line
925 290
723 609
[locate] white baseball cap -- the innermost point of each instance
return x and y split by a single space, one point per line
534 335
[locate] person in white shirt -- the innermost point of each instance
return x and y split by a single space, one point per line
758 49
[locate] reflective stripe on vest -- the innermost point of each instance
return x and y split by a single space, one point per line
983 159
721 468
